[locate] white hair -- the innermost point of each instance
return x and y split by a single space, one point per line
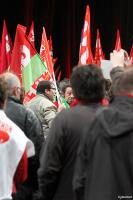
12 81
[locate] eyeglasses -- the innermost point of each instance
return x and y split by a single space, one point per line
21 89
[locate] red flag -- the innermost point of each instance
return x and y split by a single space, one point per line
0 47
118 42
26 63
31 35
57 71
44 53
59 76
0 54
54 60
131 54
98 51
85 54
6 49
46 58
16 53
50 45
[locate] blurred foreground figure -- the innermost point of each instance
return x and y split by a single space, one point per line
30 125
15 147
104 168
58 158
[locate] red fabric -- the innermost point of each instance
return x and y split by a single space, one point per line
85 54
128 95
31 34
59 76
17 52
74 103
131 54
118 42
50 44
98 51
44 53
56 104
6 49
21 172
104 102
22 52
4 137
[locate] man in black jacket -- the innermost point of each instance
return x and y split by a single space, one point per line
30 125
58 158
104 168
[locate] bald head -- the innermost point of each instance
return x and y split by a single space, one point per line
12 81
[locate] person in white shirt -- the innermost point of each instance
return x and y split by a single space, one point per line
13 144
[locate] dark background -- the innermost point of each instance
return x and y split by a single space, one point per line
63 20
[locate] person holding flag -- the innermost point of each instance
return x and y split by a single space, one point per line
43 106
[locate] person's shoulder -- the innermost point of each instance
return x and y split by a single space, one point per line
16 107
103 117
31 118
30 112
65 113
14 127
34 100
44 101
103 111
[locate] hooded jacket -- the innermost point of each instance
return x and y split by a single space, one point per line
104 168
59 156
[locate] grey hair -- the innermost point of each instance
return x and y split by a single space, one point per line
12 81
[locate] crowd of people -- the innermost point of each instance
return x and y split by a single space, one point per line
80 150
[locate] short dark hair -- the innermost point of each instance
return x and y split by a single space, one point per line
124 84
88 83
116 72
42 86
65 87
64 84
3 92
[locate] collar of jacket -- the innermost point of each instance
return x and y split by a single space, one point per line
44 95
122 99
87 102
15 99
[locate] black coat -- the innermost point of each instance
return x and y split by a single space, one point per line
58 159
30 125
104 168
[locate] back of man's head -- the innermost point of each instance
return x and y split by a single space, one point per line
88 83
116 72
42 86
124 85
12 82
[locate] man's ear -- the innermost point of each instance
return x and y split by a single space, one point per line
46 91
15 91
